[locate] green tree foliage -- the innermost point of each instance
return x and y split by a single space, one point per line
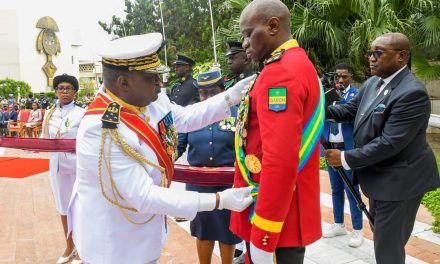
10 86
187 25
334 31
86 91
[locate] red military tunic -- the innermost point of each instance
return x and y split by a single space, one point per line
287 212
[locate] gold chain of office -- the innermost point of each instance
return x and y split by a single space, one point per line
130 152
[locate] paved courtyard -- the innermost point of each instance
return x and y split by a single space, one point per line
31 232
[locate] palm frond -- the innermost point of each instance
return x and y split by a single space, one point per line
430 27
425 69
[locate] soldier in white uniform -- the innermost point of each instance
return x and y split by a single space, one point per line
62 121
126 146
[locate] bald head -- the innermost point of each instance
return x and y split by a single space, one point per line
396 40
265 25
265 9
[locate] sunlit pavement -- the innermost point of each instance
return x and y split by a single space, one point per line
31 231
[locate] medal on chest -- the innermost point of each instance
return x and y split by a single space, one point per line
168 134
243 117
227 124
252 163
65 125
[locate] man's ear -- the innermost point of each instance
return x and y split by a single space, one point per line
403 55
273 25
123 82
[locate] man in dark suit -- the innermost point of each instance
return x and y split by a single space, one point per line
391 158
184 92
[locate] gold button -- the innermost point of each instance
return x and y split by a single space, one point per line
264 243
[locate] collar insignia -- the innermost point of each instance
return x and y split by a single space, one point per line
275 57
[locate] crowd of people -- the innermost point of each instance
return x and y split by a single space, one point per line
22 117
267 125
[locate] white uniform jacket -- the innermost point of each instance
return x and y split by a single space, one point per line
101 233
63 123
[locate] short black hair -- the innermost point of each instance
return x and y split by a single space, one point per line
344 66
110 75
66 78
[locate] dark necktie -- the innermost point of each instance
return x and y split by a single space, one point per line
379 84
334 128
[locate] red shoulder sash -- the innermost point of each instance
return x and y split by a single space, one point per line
144 131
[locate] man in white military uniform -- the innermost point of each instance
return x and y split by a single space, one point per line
126 145
62 122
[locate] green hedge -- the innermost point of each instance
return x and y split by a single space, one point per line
431 201
322 164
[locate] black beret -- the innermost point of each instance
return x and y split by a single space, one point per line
184 60
66 78
234 47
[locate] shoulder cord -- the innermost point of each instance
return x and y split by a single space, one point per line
115 136
46 120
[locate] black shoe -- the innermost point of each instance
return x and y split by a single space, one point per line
237 253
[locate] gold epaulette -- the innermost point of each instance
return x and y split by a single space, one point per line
275 57
111 116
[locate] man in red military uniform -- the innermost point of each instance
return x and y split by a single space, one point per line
277 138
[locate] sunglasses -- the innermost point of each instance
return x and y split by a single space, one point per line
65 89
378 53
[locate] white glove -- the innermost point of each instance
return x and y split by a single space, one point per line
260 256
235 199
234 94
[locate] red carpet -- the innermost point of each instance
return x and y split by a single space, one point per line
15 167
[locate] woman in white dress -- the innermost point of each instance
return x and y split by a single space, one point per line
62 121
35 118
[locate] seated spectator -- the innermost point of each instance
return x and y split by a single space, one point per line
13 116
211 146
35 119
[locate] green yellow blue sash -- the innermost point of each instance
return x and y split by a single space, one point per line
310 138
